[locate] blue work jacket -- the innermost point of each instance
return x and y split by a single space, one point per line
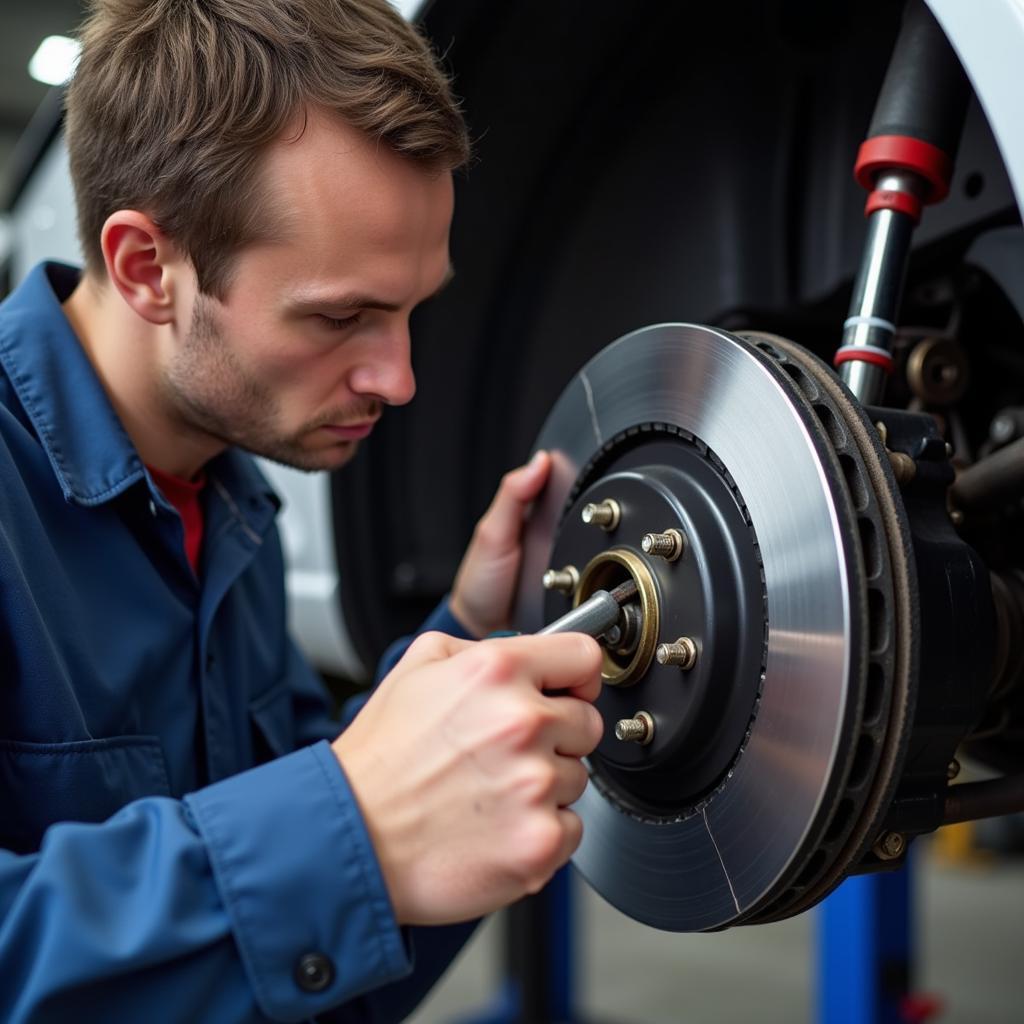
177 840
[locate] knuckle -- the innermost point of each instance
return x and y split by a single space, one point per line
538 782
426 644
497 663
523 725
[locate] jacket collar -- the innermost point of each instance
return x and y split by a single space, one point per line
92 455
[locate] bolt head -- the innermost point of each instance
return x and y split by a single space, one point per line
890 846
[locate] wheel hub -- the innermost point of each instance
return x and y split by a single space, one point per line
711 593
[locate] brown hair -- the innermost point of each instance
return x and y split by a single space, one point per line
173 102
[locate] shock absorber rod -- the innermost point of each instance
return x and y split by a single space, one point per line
869 329
905 163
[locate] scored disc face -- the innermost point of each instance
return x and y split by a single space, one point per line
717 862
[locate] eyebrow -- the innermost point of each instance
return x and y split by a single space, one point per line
360 300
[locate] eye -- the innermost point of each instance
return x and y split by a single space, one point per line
335 324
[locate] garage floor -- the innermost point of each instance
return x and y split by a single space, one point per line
971 934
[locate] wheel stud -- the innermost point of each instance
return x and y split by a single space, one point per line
638 729
668 545
682 653
605 514
566 580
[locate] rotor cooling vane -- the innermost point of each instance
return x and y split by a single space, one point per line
765 731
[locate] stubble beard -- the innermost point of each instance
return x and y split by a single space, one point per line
210 393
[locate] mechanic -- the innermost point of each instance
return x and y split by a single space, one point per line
264 193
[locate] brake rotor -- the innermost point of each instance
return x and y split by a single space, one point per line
773 752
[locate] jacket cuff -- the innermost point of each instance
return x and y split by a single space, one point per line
440 620
301 884
443 620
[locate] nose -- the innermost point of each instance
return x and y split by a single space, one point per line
386 372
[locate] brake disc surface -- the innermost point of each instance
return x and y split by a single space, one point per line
701 428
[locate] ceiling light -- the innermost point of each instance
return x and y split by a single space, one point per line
55 60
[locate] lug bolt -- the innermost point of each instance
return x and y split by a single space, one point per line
668 545
889 846
638 729
566 580
953 770
682 653
605 514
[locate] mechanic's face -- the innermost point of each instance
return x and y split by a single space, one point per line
311 339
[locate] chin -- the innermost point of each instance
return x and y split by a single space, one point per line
324 460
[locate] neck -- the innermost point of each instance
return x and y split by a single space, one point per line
126 351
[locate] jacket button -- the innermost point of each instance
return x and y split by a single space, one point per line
313 972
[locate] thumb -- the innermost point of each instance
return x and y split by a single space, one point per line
503 521
527 482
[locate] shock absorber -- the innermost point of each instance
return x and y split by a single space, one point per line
905 163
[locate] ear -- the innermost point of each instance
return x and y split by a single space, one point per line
141 263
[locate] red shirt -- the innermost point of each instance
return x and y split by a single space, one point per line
184 496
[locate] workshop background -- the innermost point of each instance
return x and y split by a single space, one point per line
629 170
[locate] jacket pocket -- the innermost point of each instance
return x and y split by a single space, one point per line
273 719
86 781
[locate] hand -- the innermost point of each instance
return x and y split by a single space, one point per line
482 595
464 769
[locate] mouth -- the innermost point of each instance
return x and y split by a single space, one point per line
351 432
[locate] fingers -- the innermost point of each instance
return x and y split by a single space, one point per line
571 780
577 727
527 482
502 523
572 833
560 661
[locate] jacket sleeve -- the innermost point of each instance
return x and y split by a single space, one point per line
204 909
314 719
441 620
430 950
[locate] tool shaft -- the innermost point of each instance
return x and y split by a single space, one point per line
594 616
